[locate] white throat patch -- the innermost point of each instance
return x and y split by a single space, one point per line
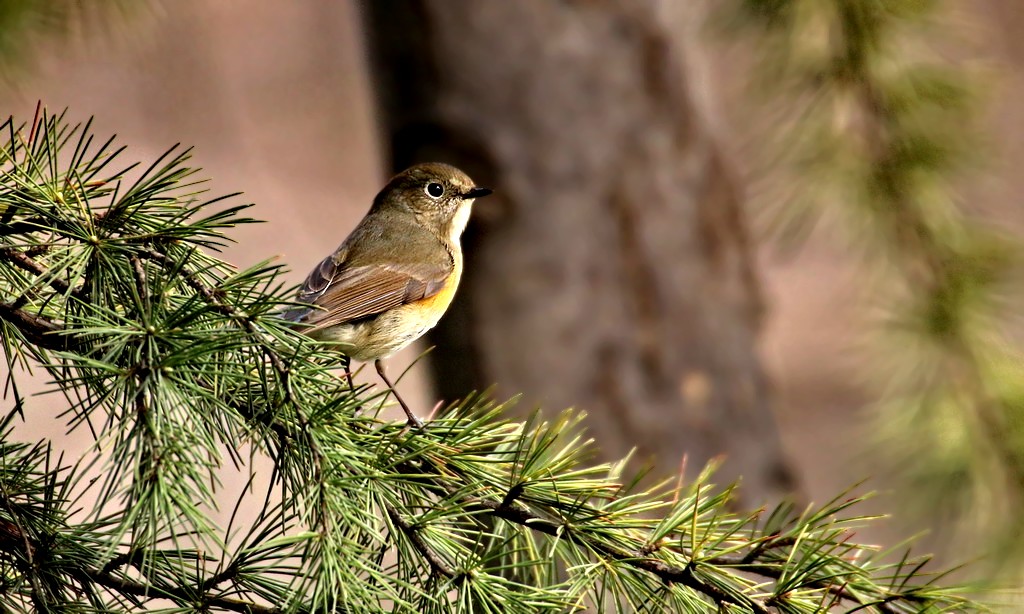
459 221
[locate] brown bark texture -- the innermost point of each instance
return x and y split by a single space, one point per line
612 271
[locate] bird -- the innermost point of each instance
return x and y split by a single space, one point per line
395 275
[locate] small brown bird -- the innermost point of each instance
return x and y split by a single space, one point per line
396 274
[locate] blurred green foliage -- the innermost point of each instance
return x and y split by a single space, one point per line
882 131
24 23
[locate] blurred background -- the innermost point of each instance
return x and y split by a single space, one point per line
722 229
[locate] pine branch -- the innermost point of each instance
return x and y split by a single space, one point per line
749 562
24 262
16 541
37 329
437 565
185 361
181 595
667 573
14 533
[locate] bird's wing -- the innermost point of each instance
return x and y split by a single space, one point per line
341 292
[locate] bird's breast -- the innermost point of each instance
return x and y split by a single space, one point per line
439 302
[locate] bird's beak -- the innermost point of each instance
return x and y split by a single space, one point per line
476 193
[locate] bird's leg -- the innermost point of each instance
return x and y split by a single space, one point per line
346 364
413 420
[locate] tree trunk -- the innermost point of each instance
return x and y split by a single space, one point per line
612 272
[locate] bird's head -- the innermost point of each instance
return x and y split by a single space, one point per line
440 197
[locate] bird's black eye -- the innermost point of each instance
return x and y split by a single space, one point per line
435 190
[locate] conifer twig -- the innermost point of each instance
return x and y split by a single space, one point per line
412 532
